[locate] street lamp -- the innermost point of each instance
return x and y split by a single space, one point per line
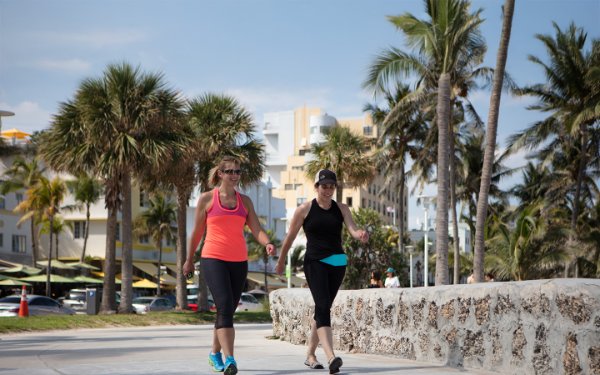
426 200
410 248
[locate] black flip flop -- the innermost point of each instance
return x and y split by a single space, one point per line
334 365
316 365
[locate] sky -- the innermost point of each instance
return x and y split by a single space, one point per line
272 55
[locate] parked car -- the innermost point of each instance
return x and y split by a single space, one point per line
193 303
76 300
143 305
249 303
37 305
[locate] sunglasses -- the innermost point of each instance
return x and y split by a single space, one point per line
232 171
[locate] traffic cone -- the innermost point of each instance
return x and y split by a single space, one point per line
24 307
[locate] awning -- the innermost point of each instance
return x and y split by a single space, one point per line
83 265
55 263
43 278
150 268
87 279
167 279
144 283
22 268
13 282
172 267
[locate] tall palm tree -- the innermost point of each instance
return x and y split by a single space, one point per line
344 153
87 190
23 175
397 140
59 226
571 98
45 199
257 251
445 44
222 127
117 118
158 222
490 142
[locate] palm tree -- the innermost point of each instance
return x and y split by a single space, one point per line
23 175
257 251
447 44
157 221
396 142
222 127
86 191
490 142
44 199
118 120
345 154
571 97
58 227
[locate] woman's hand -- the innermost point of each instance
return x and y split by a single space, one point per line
280 266
271 249
188 267
363 236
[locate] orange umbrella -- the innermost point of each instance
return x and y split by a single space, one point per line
14 133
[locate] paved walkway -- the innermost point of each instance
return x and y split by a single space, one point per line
180 350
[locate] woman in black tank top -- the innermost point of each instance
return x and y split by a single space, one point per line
324 260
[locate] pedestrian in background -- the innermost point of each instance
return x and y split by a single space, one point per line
391 281
324 262
222 213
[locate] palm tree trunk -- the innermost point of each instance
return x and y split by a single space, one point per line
159 264
48 287
87 231
575 212
181 287
401 209
34 242
108 304
456 244
441 220
490 140
127 246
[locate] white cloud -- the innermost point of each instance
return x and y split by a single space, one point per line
70 65
29 117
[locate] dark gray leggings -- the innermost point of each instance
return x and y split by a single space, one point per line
324 280
225 281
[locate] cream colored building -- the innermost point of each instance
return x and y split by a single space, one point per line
288 137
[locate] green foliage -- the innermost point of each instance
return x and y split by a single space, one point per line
376 255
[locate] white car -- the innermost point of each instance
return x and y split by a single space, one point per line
75 299
37 305
249 303
143 305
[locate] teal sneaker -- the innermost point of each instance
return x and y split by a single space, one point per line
230 366
216 362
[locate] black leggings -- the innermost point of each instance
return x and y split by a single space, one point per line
324 280
225 281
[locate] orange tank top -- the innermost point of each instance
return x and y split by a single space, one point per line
225 231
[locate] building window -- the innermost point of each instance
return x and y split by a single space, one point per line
364 203
289 187
299 201
349 201
144 239
78 229
1 239
367 130
2 203
118 230
18 243
19 197
170 241
301 152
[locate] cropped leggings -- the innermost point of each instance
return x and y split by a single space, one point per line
324 281
225 281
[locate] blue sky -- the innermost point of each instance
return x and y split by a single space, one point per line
273 55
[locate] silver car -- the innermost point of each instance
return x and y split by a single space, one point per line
37 305
143 305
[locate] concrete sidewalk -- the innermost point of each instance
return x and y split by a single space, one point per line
178 350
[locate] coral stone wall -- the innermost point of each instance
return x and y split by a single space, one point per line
531 327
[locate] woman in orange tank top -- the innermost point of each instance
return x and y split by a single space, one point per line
222 213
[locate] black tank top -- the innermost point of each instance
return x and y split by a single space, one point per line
323 229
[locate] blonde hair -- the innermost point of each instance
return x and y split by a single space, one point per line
213 175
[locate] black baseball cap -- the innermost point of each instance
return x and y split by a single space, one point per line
325 176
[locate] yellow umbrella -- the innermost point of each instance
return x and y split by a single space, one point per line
14 133
144 283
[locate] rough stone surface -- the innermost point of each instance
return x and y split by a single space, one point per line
531 327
